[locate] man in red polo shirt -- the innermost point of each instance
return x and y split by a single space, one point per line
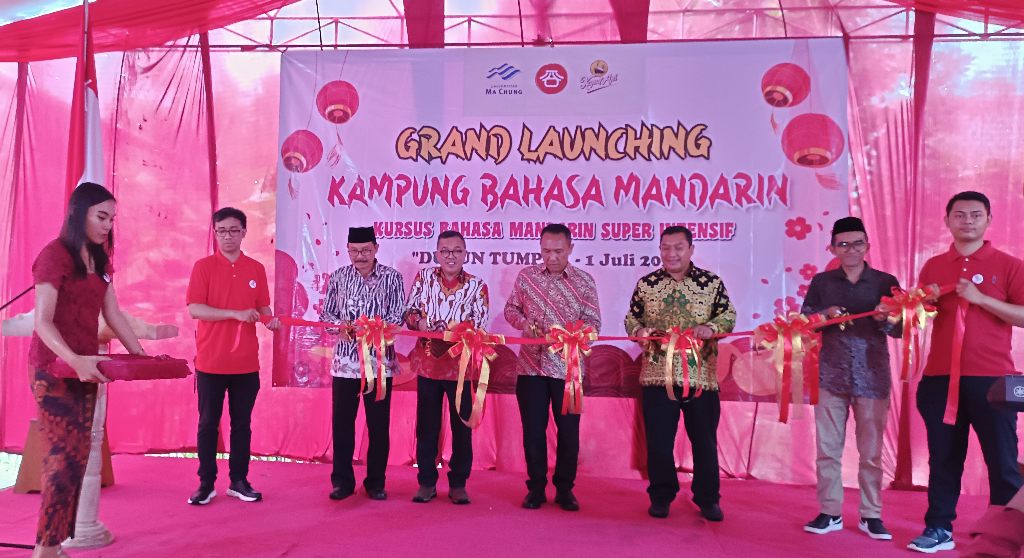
227 293
988 302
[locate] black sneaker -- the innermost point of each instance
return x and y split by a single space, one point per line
933 540
244 491
458 495
203 495
875 529
424 494
825 523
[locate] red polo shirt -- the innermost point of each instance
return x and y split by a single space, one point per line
228 346
986 348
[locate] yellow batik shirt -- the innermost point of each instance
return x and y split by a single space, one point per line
660 302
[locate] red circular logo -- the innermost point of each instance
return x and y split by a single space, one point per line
551 78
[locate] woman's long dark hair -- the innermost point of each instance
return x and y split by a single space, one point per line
73 236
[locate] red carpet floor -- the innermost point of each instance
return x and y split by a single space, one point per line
147 513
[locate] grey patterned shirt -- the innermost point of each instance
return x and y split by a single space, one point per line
350 295
854 361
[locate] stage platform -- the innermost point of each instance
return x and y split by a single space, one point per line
147 513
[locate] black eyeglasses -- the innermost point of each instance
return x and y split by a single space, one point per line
228 233
856 245
444 253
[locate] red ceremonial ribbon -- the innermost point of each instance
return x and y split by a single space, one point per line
813 377
953 394
474 347
789 338
572 341
377 334
915 311
792 339
684 342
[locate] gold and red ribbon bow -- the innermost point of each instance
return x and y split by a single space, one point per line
377 334
915 311
472 346
912 308
790 338
573 342
684 342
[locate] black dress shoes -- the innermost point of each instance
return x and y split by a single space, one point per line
339 493
567 501
534 499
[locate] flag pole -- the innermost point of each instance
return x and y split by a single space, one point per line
89 530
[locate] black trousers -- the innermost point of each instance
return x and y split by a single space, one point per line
241 390
661 422
996 429
430 396
536 394
345 399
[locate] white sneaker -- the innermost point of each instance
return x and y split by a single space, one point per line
202 496
824 523
933 540
875 529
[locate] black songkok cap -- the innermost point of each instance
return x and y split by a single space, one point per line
848 224
361 235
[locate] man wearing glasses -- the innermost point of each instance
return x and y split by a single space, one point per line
364 288
987 304
855 373
227 293
440 298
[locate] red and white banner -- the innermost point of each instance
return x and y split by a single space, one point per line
744 142
85 146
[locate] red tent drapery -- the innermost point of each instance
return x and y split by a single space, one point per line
120 25
996 11
144 127
424 20
632 17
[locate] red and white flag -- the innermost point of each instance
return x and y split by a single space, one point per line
85 148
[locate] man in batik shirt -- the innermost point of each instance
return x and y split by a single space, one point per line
853 375
364 288
442 297
684 295
552 293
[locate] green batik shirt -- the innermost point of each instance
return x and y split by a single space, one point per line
660 302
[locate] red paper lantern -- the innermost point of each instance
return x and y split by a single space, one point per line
812 140
301 151
337 101
785 85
